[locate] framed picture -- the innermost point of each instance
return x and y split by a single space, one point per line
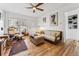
72 21
44 19
54 19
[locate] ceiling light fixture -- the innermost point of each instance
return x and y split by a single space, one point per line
34 8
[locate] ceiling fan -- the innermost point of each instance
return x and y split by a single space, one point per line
35 7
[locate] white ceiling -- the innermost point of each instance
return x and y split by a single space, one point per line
20 8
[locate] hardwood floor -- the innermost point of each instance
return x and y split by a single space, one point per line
69 48
47 49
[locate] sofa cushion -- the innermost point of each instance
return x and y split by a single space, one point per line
55 34
49 37
58 38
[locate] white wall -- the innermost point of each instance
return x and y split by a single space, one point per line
2 22
29 22
61 21
47 25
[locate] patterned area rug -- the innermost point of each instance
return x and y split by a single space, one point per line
19 46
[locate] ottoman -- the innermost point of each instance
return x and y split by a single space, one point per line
37 40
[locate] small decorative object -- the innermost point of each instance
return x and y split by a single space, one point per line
44 19
72 21
54 19
1 28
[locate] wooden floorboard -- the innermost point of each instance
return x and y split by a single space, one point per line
47 49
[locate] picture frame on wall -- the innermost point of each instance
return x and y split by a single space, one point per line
44 19
54 19
72 21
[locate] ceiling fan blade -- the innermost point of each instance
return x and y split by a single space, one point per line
40 9
33 11
29 7
38 4
31 4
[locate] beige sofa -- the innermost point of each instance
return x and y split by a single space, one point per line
53 36
48 35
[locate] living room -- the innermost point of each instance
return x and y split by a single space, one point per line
25 28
